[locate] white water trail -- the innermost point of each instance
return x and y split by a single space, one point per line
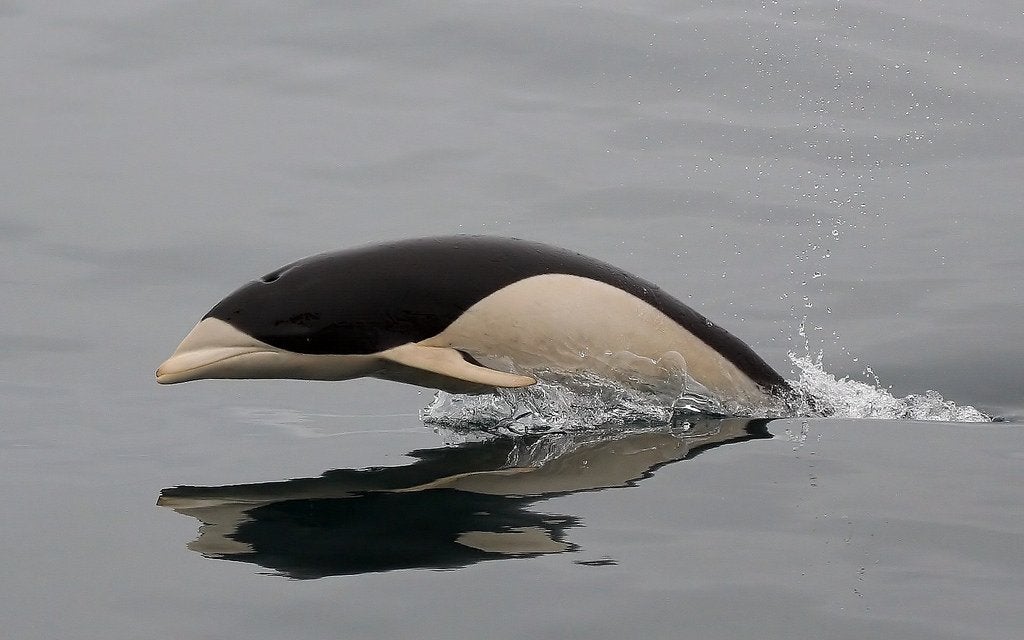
581 402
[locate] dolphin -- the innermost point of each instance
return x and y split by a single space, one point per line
465 314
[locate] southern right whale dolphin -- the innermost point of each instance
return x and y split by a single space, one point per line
464 314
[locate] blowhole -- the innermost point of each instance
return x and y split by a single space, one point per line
273 275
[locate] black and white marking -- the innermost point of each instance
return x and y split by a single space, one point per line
463 314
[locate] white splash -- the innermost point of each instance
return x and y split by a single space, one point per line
819 393
560 403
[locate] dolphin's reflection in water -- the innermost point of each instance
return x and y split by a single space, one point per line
452 507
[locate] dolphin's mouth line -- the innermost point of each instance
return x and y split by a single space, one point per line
180 364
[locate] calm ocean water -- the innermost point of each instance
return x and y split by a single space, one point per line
833 180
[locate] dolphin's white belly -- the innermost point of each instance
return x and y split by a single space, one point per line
570 323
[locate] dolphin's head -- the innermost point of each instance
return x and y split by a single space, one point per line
287 324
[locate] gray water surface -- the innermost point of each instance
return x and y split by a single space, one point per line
852 166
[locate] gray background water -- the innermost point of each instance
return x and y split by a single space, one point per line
157 155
